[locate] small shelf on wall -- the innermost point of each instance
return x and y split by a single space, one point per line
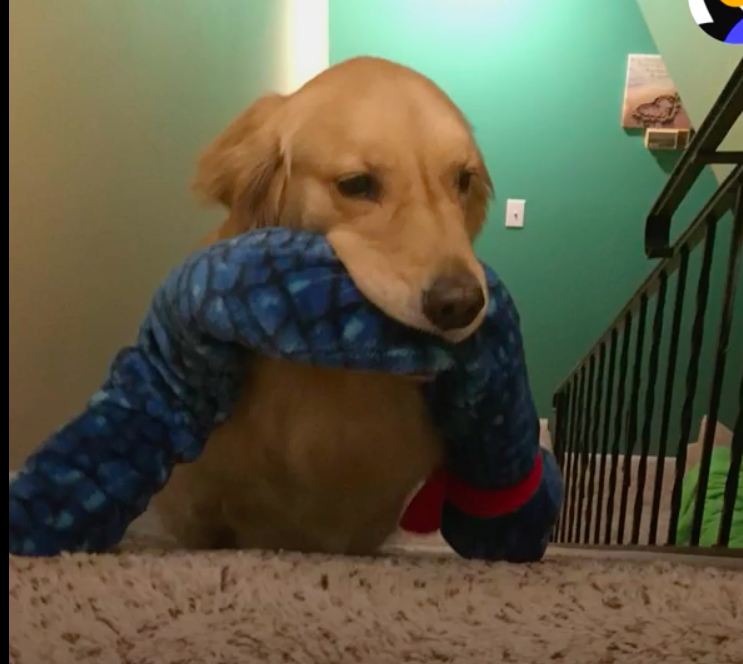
659 139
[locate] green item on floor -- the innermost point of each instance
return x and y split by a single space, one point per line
718 474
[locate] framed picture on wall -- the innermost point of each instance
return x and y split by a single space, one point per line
650 97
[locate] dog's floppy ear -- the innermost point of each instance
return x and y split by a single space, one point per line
244 169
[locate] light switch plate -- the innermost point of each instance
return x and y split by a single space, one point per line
515 213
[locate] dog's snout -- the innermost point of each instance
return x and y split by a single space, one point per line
453 301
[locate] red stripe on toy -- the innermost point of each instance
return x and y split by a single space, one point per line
489 504
423 514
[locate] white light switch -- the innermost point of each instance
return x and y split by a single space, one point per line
515 213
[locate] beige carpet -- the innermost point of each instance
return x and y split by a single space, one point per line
238 608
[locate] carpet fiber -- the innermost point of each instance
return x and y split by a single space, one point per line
238 608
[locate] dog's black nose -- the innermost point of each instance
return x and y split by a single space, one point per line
453 301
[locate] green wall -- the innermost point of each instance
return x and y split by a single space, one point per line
544 93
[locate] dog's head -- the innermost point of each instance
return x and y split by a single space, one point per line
380 160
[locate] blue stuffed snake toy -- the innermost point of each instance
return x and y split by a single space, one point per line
284 294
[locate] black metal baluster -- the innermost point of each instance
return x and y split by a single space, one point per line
607 433
678 315
692 376
587 408
718 379
576 454
632 421
595 444
731 485
568 456
658 319
561 402
557 406
618 422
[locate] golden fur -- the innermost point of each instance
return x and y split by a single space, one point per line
315 459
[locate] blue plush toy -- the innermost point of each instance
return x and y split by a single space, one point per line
284 294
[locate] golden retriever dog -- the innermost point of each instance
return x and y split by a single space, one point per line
378 159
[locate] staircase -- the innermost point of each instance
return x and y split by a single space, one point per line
626 414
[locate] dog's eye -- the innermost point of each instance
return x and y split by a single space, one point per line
360 186
464 181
